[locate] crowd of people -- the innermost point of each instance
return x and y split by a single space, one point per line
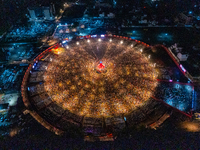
72 81
30 32
176 95
8 79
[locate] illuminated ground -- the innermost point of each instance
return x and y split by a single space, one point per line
99 77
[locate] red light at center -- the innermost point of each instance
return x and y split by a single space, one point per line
101 66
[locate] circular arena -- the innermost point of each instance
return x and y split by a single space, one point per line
90 80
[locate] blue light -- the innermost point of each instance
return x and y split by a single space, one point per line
93 35
190 12
64 42
182 68
166 34
28 89
189 88
125 118
170 102
181 107
193 95
100 62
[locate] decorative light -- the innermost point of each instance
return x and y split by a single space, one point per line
88 41
110 40
131 45
99 40
64 42
121 42
77 43
93 35
141 50
67 47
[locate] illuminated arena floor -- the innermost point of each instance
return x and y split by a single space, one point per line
99 78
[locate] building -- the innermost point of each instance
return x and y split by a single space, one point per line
182 57
41 13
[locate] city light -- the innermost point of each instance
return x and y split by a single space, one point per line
110 40
88 41
93 36
64 42
182 68
77 43
99 40
121 42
